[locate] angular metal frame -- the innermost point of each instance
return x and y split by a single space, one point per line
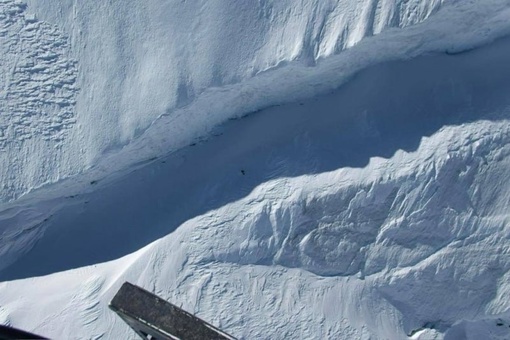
154 318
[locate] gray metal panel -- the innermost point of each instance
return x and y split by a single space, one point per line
154 318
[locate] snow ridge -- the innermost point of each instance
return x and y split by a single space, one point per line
355 214
408 240
224 260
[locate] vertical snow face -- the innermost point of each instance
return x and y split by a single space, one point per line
148 59
148 78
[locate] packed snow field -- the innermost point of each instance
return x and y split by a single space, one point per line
283 169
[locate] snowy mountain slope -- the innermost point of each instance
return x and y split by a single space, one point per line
153 76
322 134
89 137
234 266
378 211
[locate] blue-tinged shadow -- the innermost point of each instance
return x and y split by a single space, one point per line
385 108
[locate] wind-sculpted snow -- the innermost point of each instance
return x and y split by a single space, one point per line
445 238
420 268
37 100
155 76
38 79
361 195
378 211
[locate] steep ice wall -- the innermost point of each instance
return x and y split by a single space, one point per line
149 77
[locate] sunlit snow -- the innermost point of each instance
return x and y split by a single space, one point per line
283 169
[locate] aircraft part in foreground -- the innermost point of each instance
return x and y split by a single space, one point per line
154 318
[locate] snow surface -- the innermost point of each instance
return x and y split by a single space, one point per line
143 80
377 209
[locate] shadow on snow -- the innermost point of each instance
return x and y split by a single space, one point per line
382 109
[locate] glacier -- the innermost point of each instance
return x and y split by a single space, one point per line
310 169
